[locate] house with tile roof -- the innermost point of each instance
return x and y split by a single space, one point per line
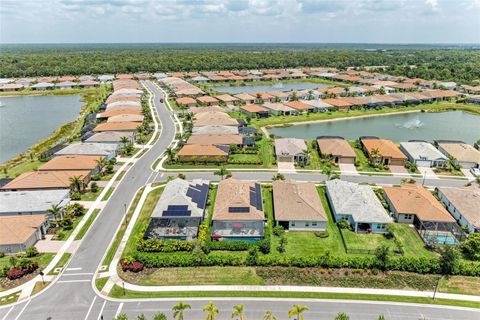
336 148
297 206
198 153
278 108
463 204
466 155
89 149
291 150
238 212
72 162
255 110
383 151
46 180
20 232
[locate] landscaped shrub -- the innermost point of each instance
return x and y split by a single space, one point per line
75 196
156 245
15 273
135 266
23 267
344 224
471 247
31 252
321 234
278 230
230 245
2 254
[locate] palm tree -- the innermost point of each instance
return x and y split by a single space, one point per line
178 310
375 154
124 140
211 311
221 172
101 163
169 153
269 316
297 311
238 312
76 183
451 163
57 212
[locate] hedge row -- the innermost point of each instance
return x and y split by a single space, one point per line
420 265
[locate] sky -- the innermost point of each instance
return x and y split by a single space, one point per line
329 21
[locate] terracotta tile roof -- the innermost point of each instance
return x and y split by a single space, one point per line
334 90
206 99
185 100
215 139
44 180
201 150
117 126
122 76
253 108
214 118
280 94
415 199
386 148
226 98
197 110
336 147
297 105
297 201
277 106
71 163
338 103
116 112
124 97
236 193
18 229
126 118
265 95
244 97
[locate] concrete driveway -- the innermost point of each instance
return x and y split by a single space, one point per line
286 167
428 172
348 168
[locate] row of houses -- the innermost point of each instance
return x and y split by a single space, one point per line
25 200
239 214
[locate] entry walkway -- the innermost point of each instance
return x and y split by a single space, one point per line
286 167
428 172
348 168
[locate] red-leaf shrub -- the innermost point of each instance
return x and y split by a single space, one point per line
135 266
23 269
15 273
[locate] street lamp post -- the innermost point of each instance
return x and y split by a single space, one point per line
123 286
436 287
41 275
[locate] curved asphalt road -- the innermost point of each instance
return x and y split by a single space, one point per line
72 296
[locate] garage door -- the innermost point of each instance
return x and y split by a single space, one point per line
423 163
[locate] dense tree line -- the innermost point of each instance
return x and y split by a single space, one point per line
442 64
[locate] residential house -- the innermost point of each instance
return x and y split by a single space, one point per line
216 139
72 162
297 206
216 130
20 232
127 126
357 204
203 153
278 108
213 118
226 99
88 84
186 102
337 103
89 149
116 112
336 148
238 211
319 105
463 204
46 180
301 107
254 110
126 118
423 154
262 97
383 151
280 96
413 204
106 78
16 203
207 101
179 211
291 150
43 86
111 137
8 87
465 155
66 85
245 98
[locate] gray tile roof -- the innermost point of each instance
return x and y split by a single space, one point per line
101 149
290 146
422 151
13 202
359 201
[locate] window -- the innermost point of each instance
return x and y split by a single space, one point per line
381 226
292 223
408 216
307 224
314 224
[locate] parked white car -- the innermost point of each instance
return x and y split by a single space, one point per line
475 172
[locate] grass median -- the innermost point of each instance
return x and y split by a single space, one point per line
87 225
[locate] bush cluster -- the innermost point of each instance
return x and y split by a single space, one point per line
135 266
24 267
156 245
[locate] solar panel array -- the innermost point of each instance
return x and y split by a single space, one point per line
238 209
256 196
198 193
177 211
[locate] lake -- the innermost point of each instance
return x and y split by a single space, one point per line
453 125
278 86
25 120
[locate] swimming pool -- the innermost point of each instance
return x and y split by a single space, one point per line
442 239
241 239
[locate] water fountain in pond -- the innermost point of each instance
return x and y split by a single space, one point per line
278 85
412 124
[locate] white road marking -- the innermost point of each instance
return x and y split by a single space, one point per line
77 274
74 269
90 308
162 175
101 310
70 281
23 309
6 315
120 307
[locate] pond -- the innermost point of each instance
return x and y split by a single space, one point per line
25 120
278 86
453 125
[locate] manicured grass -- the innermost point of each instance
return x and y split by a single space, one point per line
244 157
142 221
64 234
362 160
91 196
460 285
39 286
266 151
117 292
87 224
120 176
118 237
11 298
26 166
202 276
100 283
42 259
364 243
108 194
412 243
61 263
444 172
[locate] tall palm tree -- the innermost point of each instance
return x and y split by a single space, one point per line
76 183
57 212
238 312
178 310
101 163
211 311
169 153
375 154
124 140
297 311
269 316
451 163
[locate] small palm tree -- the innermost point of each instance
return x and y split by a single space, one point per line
76 183
375 154
211 311
269 316
451 163
57 212
297 311
101 163
238 312
178 310
169 153
124 140
222 171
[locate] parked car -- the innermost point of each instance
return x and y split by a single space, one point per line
475 172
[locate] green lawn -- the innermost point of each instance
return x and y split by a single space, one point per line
87 225
42 259
142 221
108 194
12 298
91 196
120 176
100 283
202 276
26 166
61 263
118 292
362 160
39 286
244 157
118 237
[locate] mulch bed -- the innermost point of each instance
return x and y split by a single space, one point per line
6 284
